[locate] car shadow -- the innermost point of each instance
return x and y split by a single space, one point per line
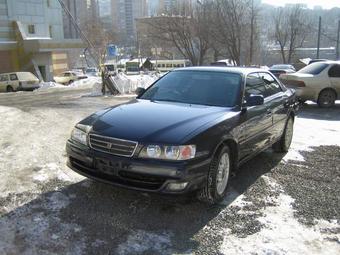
96 217
313 111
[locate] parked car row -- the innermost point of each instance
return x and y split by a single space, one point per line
20 81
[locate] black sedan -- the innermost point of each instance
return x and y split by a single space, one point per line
186 132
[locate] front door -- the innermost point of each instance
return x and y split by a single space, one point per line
257 121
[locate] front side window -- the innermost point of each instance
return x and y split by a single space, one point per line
67 74
13 77
254 85
271 85
197 87
334 71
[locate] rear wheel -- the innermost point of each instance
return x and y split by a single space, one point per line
326 98
9 89
218 177
70 82
286 139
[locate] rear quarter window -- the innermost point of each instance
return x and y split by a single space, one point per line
315 68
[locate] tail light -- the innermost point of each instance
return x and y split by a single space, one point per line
296 84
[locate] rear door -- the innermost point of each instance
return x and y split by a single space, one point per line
334 76
13 81
255 130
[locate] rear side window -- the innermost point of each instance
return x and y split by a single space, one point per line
4 77
272 87
13 77
254 85
314 68
334 71
67 74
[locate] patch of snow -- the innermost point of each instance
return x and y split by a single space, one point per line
309 132
140 242
283 234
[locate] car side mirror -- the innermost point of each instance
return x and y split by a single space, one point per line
140 91
255 100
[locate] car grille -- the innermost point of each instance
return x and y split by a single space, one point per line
112 145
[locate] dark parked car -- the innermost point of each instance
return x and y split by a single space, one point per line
186 132
277 70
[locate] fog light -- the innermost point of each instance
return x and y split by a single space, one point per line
177 186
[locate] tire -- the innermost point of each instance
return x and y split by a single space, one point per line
285 141
217 182
326 98
9 89
70 82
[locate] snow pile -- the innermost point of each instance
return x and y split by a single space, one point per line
48 85
128 84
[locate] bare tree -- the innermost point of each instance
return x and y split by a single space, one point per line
230 26
291 29
189 34
98 36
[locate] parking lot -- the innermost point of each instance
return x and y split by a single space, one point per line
276 203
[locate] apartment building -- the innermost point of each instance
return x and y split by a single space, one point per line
124 13
32 37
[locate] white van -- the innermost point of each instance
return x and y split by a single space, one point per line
18 81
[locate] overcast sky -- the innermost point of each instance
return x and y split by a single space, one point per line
326 4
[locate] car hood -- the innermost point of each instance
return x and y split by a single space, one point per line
154 122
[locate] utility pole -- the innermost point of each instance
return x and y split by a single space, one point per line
338 42
319 35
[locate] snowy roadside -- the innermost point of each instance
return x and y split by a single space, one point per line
126 84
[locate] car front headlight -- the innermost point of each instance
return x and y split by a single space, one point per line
181 152
79 133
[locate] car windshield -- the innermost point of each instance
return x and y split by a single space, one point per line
196 87
314 68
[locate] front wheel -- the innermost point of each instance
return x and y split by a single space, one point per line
326 98
218 177
286 139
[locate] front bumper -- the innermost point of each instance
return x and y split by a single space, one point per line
136 173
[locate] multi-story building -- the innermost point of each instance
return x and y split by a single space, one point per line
124 13
32 37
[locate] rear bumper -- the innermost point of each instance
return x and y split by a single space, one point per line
135 173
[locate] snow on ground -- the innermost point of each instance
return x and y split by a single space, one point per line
282 233
307 135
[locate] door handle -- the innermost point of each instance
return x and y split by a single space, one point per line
269 112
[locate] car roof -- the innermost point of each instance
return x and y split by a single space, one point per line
227 69
326 62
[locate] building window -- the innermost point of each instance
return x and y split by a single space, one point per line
48 3
31 29
50 30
